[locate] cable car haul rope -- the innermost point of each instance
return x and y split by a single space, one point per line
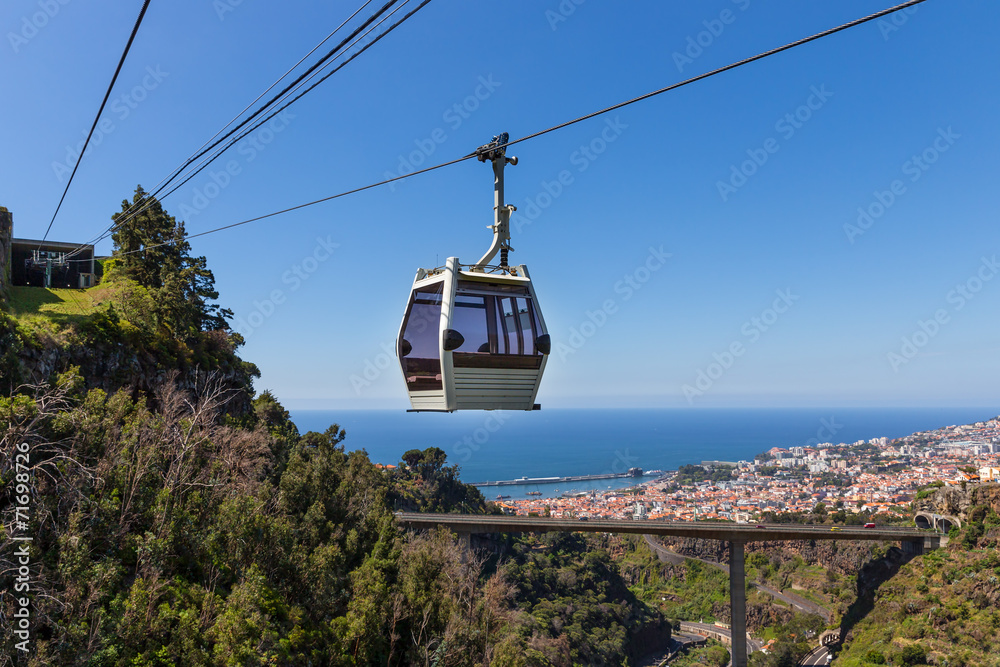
473 337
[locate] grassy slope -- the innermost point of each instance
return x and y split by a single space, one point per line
60 305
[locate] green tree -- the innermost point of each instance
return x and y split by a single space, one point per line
152 250
145 242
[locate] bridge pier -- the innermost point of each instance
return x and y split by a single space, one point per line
465 541
912 548
737 604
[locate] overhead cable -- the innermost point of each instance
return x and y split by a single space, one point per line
746 61
157 187
131 212
107 94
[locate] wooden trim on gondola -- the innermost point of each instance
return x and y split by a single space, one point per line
519 361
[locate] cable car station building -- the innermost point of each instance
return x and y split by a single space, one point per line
33 263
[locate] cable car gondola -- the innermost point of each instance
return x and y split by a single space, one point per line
473 337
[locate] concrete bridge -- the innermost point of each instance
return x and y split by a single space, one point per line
737 535
939 522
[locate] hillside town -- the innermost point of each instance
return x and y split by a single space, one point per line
874 478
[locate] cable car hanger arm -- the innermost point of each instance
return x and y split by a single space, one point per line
496 153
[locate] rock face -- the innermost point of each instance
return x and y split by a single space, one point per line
6 234
841 557
112 367
958 500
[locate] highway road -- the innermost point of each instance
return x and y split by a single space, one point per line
678 641
818 656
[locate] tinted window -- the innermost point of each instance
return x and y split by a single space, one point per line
470 319
422 365
508 311
527 321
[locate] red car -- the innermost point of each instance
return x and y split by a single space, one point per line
869 525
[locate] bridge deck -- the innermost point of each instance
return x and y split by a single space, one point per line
730 532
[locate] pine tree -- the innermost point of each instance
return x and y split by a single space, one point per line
152 249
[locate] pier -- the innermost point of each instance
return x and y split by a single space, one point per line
632 472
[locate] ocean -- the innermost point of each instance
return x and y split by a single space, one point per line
562 442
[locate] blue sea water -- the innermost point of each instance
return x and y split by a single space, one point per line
555 443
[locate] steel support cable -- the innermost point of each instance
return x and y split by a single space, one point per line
371 19
129 215
107 94
720 70
306 205
162 182
296 98
700 77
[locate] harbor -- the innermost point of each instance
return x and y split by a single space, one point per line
632 472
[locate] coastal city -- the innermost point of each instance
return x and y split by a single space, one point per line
877 477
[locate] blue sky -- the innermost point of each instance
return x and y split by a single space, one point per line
815 229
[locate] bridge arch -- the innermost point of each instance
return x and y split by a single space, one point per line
945 523
939 522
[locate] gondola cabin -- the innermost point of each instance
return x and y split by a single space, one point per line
473 337
472 340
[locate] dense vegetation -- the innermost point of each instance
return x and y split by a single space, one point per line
168 533
607 625
175 289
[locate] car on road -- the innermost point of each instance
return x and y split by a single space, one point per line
835 528
760 525
869 525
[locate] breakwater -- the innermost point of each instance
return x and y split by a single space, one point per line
633 472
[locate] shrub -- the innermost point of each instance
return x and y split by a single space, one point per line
913 654
875 657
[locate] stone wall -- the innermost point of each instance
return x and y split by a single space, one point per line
6 234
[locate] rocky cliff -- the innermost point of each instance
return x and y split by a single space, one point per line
841 557
112 355
958 500
111 368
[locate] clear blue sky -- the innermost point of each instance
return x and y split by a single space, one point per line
659 175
